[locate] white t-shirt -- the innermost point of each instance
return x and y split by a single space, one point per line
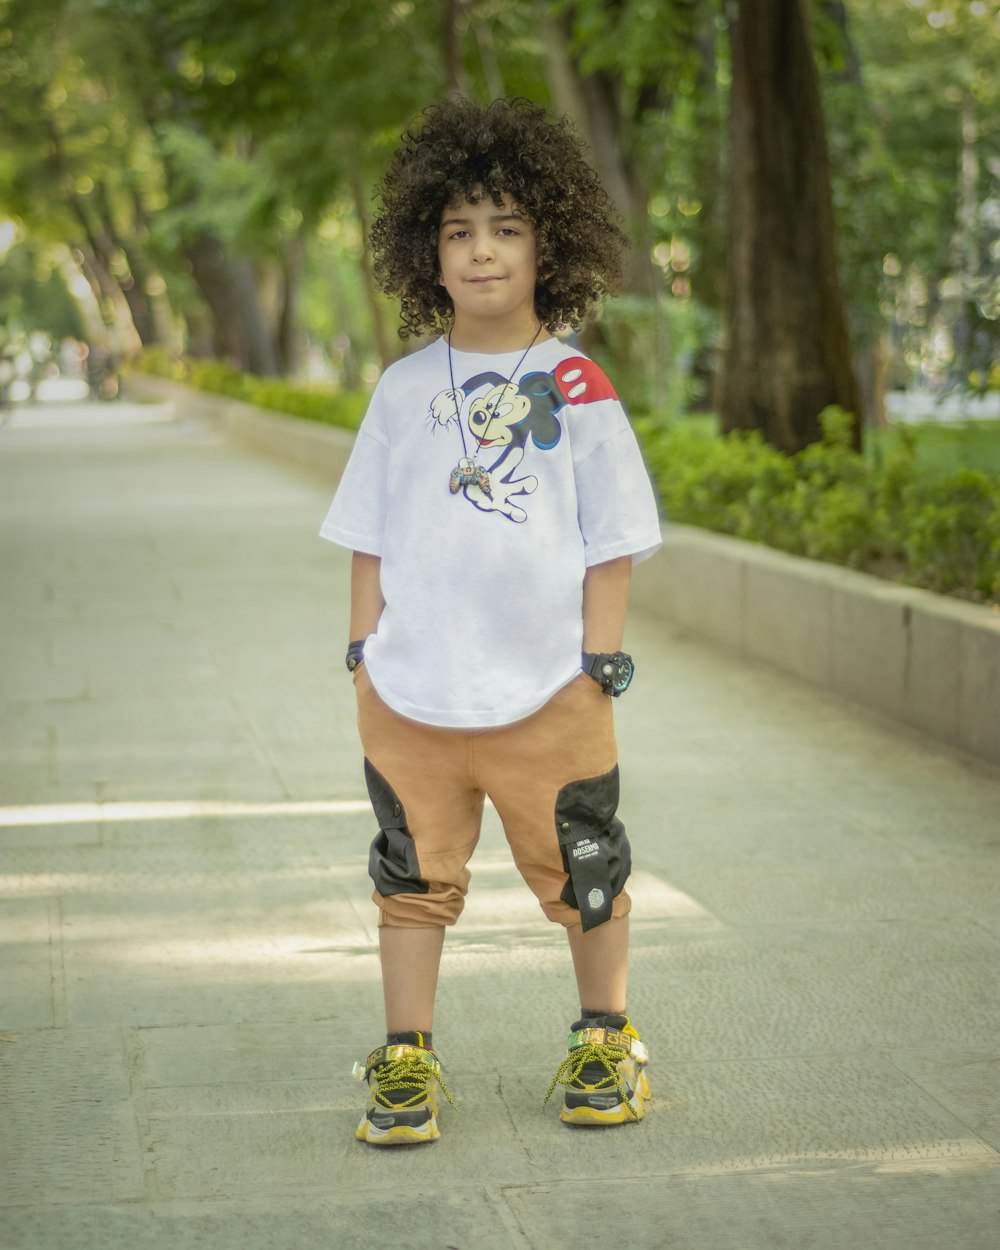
483 577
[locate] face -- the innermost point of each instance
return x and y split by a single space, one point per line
491 418
488 262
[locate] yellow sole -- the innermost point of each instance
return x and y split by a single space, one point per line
399 1135
592 1118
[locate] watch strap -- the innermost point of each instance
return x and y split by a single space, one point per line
591 662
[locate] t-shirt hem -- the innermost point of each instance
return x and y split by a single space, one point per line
452 718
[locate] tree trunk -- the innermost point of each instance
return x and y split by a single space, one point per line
119 334
261 347
869 367
95 313
292 265
122 289
211 276
788 353
228 286
134 282
385 353
866 337
964 317
343 349
454 63
97 223
591 103
102 284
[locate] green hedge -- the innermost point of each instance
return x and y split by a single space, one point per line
340 408
887 516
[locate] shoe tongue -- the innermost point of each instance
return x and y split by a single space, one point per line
600 1022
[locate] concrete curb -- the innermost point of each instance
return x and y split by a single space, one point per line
920 658
324 448
923 659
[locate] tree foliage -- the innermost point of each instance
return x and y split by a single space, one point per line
208 164
931 203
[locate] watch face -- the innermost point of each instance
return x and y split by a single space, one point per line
616 673
622 675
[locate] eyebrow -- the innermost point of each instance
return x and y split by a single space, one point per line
495 218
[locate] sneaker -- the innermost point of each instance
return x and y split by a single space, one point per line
402 1095
604 1074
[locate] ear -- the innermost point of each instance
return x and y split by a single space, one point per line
545 399
545 429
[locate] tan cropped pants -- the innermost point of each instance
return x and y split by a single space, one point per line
552 778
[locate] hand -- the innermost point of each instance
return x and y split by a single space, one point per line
446 407
499 498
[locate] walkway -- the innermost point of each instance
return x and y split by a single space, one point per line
189 964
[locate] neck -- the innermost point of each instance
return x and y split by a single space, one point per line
489 337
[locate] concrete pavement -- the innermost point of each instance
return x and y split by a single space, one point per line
189 964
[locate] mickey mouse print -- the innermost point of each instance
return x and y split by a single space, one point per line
503 416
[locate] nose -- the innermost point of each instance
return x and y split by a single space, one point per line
482 248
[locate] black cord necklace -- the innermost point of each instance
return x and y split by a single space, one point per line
468 471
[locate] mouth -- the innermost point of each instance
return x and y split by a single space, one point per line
485 280
486 442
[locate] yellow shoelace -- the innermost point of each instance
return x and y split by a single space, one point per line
409 1072
577 1060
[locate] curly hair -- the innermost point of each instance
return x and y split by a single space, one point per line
462 151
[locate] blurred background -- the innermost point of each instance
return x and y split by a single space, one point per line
812 188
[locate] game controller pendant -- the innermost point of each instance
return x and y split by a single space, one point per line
468 473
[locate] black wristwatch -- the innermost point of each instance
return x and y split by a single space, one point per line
612 671
355 655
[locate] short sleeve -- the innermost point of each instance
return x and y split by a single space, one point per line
616 504
356 518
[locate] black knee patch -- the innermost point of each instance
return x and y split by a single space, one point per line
392 860
596 853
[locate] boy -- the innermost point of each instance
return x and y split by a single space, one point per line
494 501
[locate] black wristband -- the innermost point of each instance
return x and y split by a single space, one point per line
355 654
